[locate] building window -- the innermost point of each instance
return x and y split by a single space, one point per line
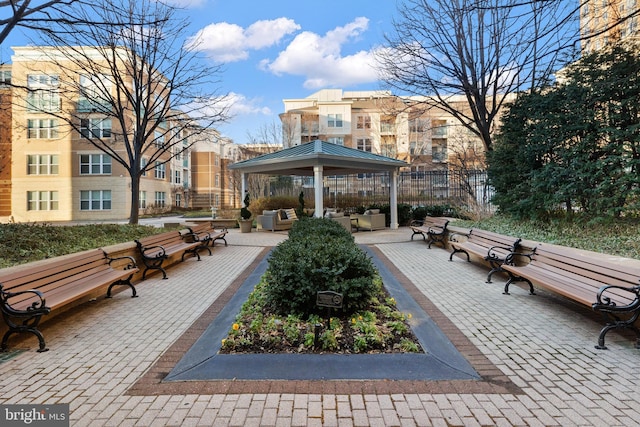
42 164
93 90
177 177
42 200
43 93
439 153
161 199
418 125
158 139
217 180
363 122
143 200
95 200
364 144
95 128
143 166
338 140
334 121
160 170
5 78
178 200
95 164
42 128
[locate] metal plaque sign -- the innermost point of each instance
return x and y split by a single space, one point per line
329 299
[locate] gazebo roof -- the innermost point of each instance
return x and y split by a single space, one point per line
334 159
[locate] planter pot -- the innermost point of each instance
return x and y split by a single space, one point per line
245 225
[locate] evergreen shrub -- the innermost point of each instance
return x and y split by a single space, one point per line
319 255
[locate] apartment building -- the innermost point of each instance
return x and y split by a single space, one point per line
5 140
378 122
52 171
603 22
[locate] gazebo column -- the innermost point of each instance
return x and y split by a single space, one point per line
393 194
244 185
318 186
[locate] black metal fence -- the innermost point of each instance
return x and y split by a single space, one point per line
467 190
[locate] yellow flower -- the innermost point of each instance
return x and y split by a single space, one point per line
236 326
409 316
359 317
224 341
353 320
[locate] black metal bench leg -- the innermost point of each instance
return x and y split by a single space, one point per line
518 279
42 345
455 251
126 282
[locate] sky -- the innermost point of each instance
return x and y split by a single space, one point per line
279 49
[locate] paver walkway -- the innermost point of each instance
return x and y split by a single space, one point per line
542 344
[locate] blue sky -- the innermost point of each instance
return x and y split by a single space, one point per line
277 49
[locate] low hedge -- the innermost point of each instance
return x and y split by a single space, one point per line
319 255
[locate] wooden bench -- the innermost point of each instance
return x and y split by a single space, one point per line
490 246
156 249
29 292
432 229
607 287
207 234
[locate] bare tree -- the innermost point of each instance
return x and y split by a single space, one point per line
482 50
135 76
33 15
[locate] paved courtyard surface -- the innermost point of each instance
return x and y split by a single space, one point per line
535 353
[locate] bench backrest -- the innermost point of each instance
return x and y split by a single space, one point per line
163 239
201 227
593 271
490 239
436 222
51 274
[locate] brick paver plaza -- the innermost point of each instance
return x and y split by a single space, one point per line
535 353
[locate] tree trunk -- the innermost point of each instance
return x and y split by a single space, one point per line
135 200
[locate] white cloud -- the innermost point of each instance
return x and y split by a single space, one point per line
241 105
225 42
319 58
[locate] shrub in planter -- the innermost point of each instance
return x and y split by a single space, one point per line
319 255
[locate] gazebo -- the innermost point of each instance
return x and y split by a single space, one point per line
319 159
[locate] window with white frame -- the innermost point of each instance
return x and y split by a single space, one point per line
217 180
95 128
158 139
334 120
93 93
95 164
143 166
43 93
161 199
178 200
160 170
42 201
95 200
5 78
142 200
338 140
364 144
363 122
42 164
177 177
42 128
